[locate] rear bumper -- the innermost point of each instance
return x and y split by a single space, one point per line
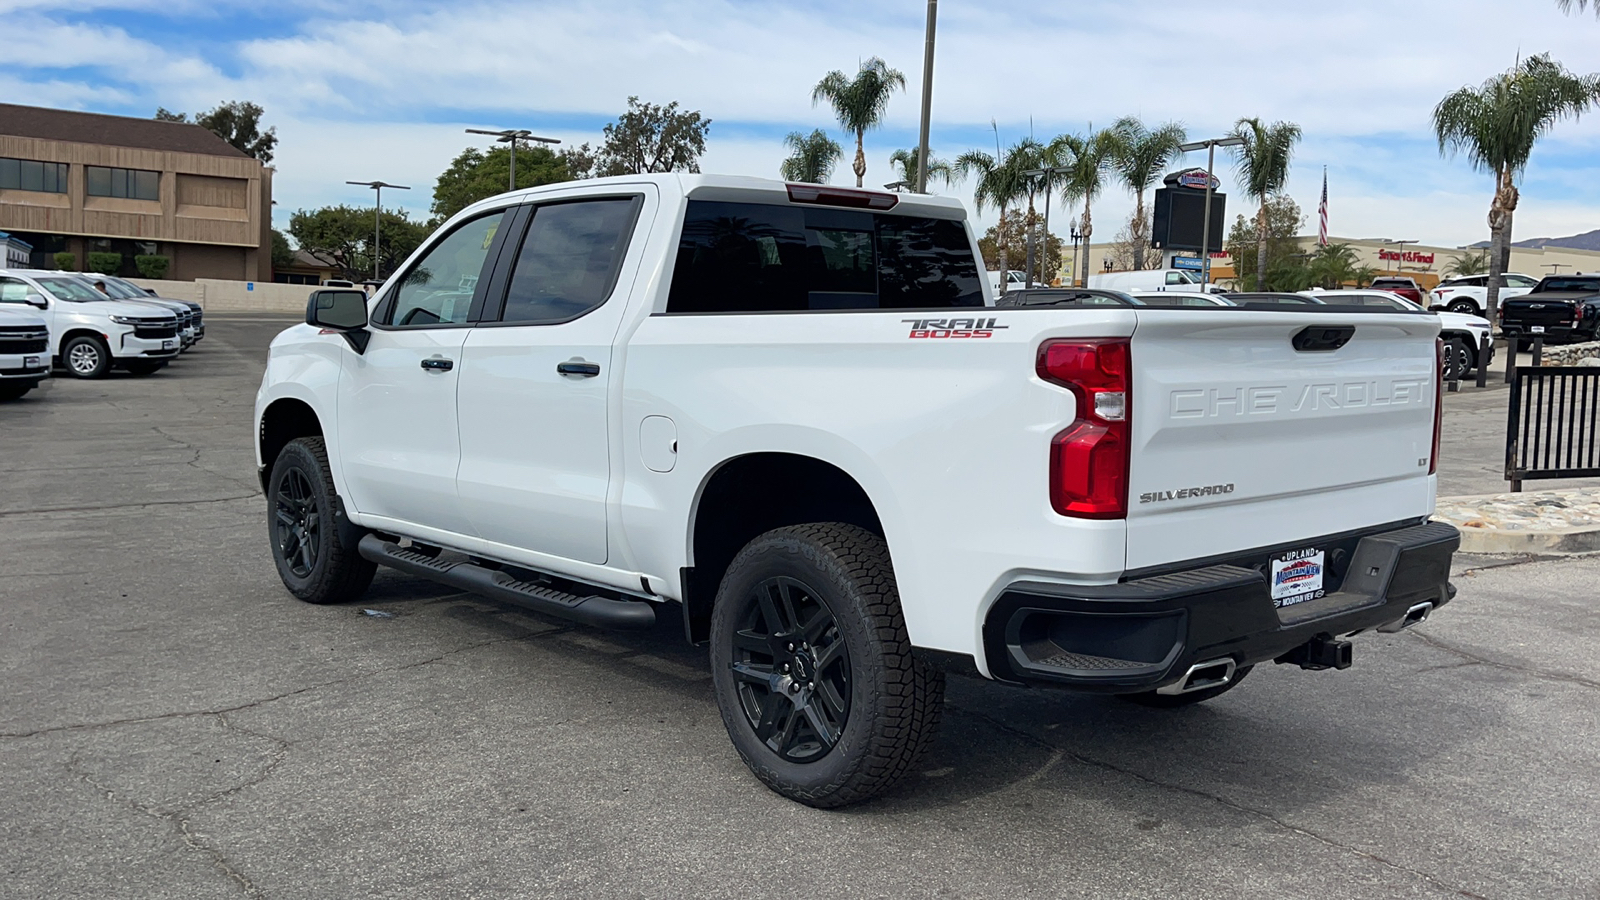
1145 633
1552 333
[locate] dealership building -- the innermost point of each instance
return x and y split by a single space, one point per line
84 183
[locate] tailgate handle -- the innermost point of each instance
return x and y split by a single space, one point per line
1319 338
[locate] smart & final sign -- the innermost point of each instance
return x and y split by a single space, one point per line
1410 256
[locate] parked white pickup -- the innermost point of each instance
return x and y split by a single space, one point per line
789 414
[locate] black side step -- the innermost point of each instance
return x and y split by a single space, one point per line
603 612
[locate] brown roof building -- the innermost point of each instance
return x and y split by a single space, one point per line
87 184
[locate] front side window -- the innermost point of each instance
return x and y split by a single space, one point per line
14 291
32 175
134 184
756 257
569 259
71 289
438 288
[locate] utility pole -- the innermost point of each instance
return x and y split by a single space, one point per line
1210 145
377 221
927 99
511 136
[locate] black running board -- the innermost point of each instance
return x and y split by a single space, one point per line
603 612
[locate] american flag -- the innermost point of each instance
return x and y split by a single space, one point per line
1322 212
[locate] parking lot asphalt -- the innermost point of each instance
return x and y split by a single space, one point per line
174 724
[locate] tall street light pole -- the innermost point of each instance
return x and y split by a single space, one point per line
377 221
511 136
927 99
1400 255
1210 145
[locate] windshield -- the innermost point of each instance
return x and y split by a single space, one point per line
71 289
1569 284
118 290
1188 277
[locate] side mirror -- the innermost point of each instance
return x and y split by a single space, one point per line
36 300
344 311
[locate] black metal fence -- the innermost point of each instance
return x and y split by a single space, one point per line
1551 426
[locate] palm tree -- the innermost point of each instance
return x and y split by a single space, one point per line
1141 157
1000 184
904 163
1566 7
1057 160
1263 164
813 157
1496 126
1335 265
1093 156
1464 264
860 103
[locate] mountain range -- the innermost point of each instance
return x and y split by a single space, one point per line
1589 240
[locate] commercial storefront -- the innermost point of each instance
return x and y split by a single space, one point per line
111 189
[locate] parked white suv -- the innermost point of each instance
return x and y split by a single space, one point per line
1470 294
789 415
90 334
1465 335
24 351
190 328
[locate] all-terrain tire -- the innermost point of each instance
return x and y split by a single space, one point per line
86 357
313 562
1174 701
842 576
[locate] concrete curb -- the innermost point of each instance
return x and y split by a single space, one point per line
1480 520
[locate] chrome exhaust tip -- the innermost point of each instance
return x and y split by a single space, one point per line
1209 674
1414 616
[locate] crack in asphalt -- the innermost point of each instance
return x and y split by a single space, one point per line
193 713
1215 798
113 506
1437 644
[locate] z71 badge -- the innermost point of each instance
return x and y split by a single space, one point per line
952 328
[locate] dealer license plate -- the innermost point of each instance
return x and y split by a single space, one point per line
1536 329
30 362
1298 576
166 345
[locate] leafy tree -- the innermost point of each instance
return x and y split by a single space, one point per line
861 102
1013 229
1245 240
478 174
238 122
1140 156
904 164
1263 164
647 138
1000 184
342 236
1496 126
812 158
1464 264
282 253
1121 252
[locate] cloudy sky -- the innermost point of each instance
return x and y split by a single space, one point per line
366 90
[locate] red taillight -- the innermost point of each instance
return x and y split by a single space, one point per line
1089 460
1577 313
1438 405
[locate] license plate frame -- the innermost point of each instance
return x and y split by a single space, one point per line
1298 576
1536 329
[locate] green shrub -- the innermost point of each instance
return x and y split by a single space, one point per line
152 266
67 261
105 263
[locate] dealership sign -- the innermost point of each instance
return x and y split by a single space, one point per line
1410 256
1193 179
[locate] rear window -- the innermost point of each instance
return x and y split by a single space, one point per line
753 258
1570 284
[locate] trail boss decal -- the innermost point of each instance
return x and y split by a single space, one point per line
1210 490
1297 577
952 328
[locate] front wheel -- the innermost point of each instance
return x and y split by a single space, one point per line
813 668
313 562
1457 362
86 357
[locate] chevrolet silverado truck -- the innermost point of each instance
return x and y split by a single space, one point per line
789 417
1562 309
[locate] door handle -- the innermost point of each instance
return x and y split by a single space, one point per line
438 364
578 367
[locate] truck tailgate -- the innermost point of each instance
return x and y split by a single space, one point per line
1240 440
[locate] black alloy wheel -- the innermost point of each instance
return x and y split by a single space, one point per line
299 522
792 669
1457 362
1465 307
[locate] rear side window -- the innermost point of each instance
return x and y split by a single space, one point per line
569 259
752 258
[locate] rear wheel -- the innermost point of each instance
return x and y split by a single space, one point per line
86 357
1174 701
313 562
1465 307
813 668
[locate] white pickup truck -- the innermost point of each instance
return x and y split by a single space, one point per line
788 415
